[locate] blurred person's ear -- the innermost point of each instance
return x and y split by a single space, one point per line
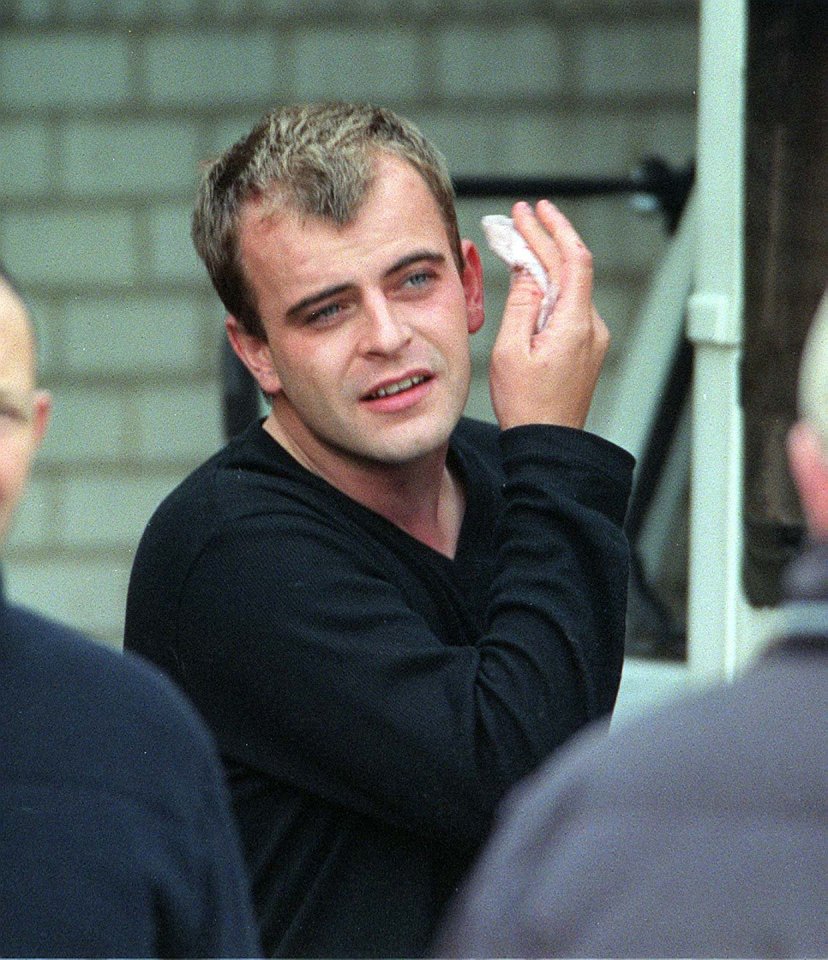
809 468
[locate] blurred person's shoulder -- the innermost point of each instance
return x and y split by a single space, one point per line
89 700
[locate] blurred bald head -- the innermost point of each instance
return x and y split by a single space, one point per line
808 439
24 410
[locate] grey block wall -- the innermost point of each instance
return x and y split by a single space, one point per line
106 109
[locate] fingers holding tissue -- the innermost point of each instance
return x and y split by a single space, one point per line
504 240
551 345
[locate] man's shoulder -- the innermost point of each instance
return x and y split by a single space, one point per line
230 485
191 493
23 623
211 496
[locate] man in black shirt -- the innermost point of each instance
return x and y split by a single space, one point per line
387 613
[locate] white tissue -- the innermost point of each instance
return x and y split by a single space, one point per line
505 241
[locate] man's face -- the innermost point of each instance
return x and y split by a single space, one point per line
23 410
367 325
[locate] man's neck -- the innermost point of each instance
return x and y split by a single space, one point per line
423 498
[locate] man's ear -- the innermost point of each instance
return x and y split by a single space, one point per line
473 285
254 353
41 412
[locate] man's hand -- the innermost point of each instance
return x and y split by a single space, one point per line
548 377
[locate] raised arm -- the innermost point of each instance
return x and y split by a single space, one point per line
548 377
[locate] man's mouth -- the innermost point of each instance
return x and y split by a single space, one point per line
393 388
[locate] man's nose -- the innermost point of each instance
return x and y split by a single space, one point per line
385 331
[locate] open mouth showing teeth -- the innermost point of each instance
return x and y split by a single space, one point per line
397 387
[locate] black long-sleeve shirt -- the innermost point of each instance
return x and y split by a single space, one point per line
373 699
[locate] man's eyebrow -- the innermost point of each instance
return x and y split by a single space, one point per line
314 298
418 256
428 256
13 395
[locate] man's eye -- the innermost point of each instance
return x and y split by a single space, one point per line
419 279
328 312
11 414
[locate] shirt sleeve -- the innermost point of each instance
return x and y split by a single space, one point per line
310 662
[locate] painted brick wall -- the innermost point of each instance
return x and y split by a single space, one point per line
106 109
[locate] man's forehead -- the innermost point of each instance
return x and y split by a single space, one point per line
17 347
13 314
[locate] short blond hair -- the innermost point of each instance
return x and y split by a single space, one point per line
813 375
